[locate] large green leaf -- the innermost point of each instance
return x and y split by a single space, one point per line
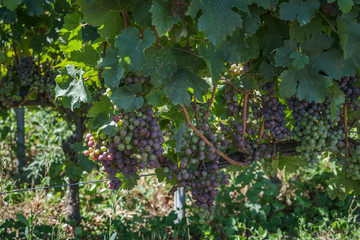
349 34
239 48
103 106
302 33
218 19
282 56
337 97
322 56
161 17
73 91
265 3
214 59
345 5
11 4
177 88
141 13
300 10
125 97
341 186
113 76
130 45
87 55
160 64
105 13
305 83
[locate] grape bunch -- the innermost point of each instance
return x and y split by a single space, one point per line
274 113
353 168
198 170
352 92
314 129
23 77
8 90
232 99
137 144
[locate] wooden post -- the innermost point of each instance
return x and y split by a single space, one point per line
20 140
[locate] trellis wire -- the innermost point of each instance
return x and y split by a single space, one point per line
79 183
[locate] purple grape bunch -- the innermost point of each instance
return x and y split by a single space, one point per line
136 145
274 113
198 170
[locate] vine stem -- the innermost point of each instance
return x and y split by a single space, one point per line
244 116
157 38
354 123
90 77
211 101
38 67
196 113
125 17
261 130
227 158
332 27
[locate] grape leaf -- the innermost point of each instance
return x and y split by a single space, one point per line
241 49
189 61
111 58
125 97
109 129
8 16
104 13
34 7
252 21
312 86
74 92
113 76
160 65
129 182
329 61
281 57
140 10
177 88
337 97
174 113
161 17
179 137
72 21
300 60
218 20
11 4
265 3
87 55
272 34
130 45
100 107
341 186
345 5
349 34
350 65
214 59
290 164
300 33
89 33
297 9
155 97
